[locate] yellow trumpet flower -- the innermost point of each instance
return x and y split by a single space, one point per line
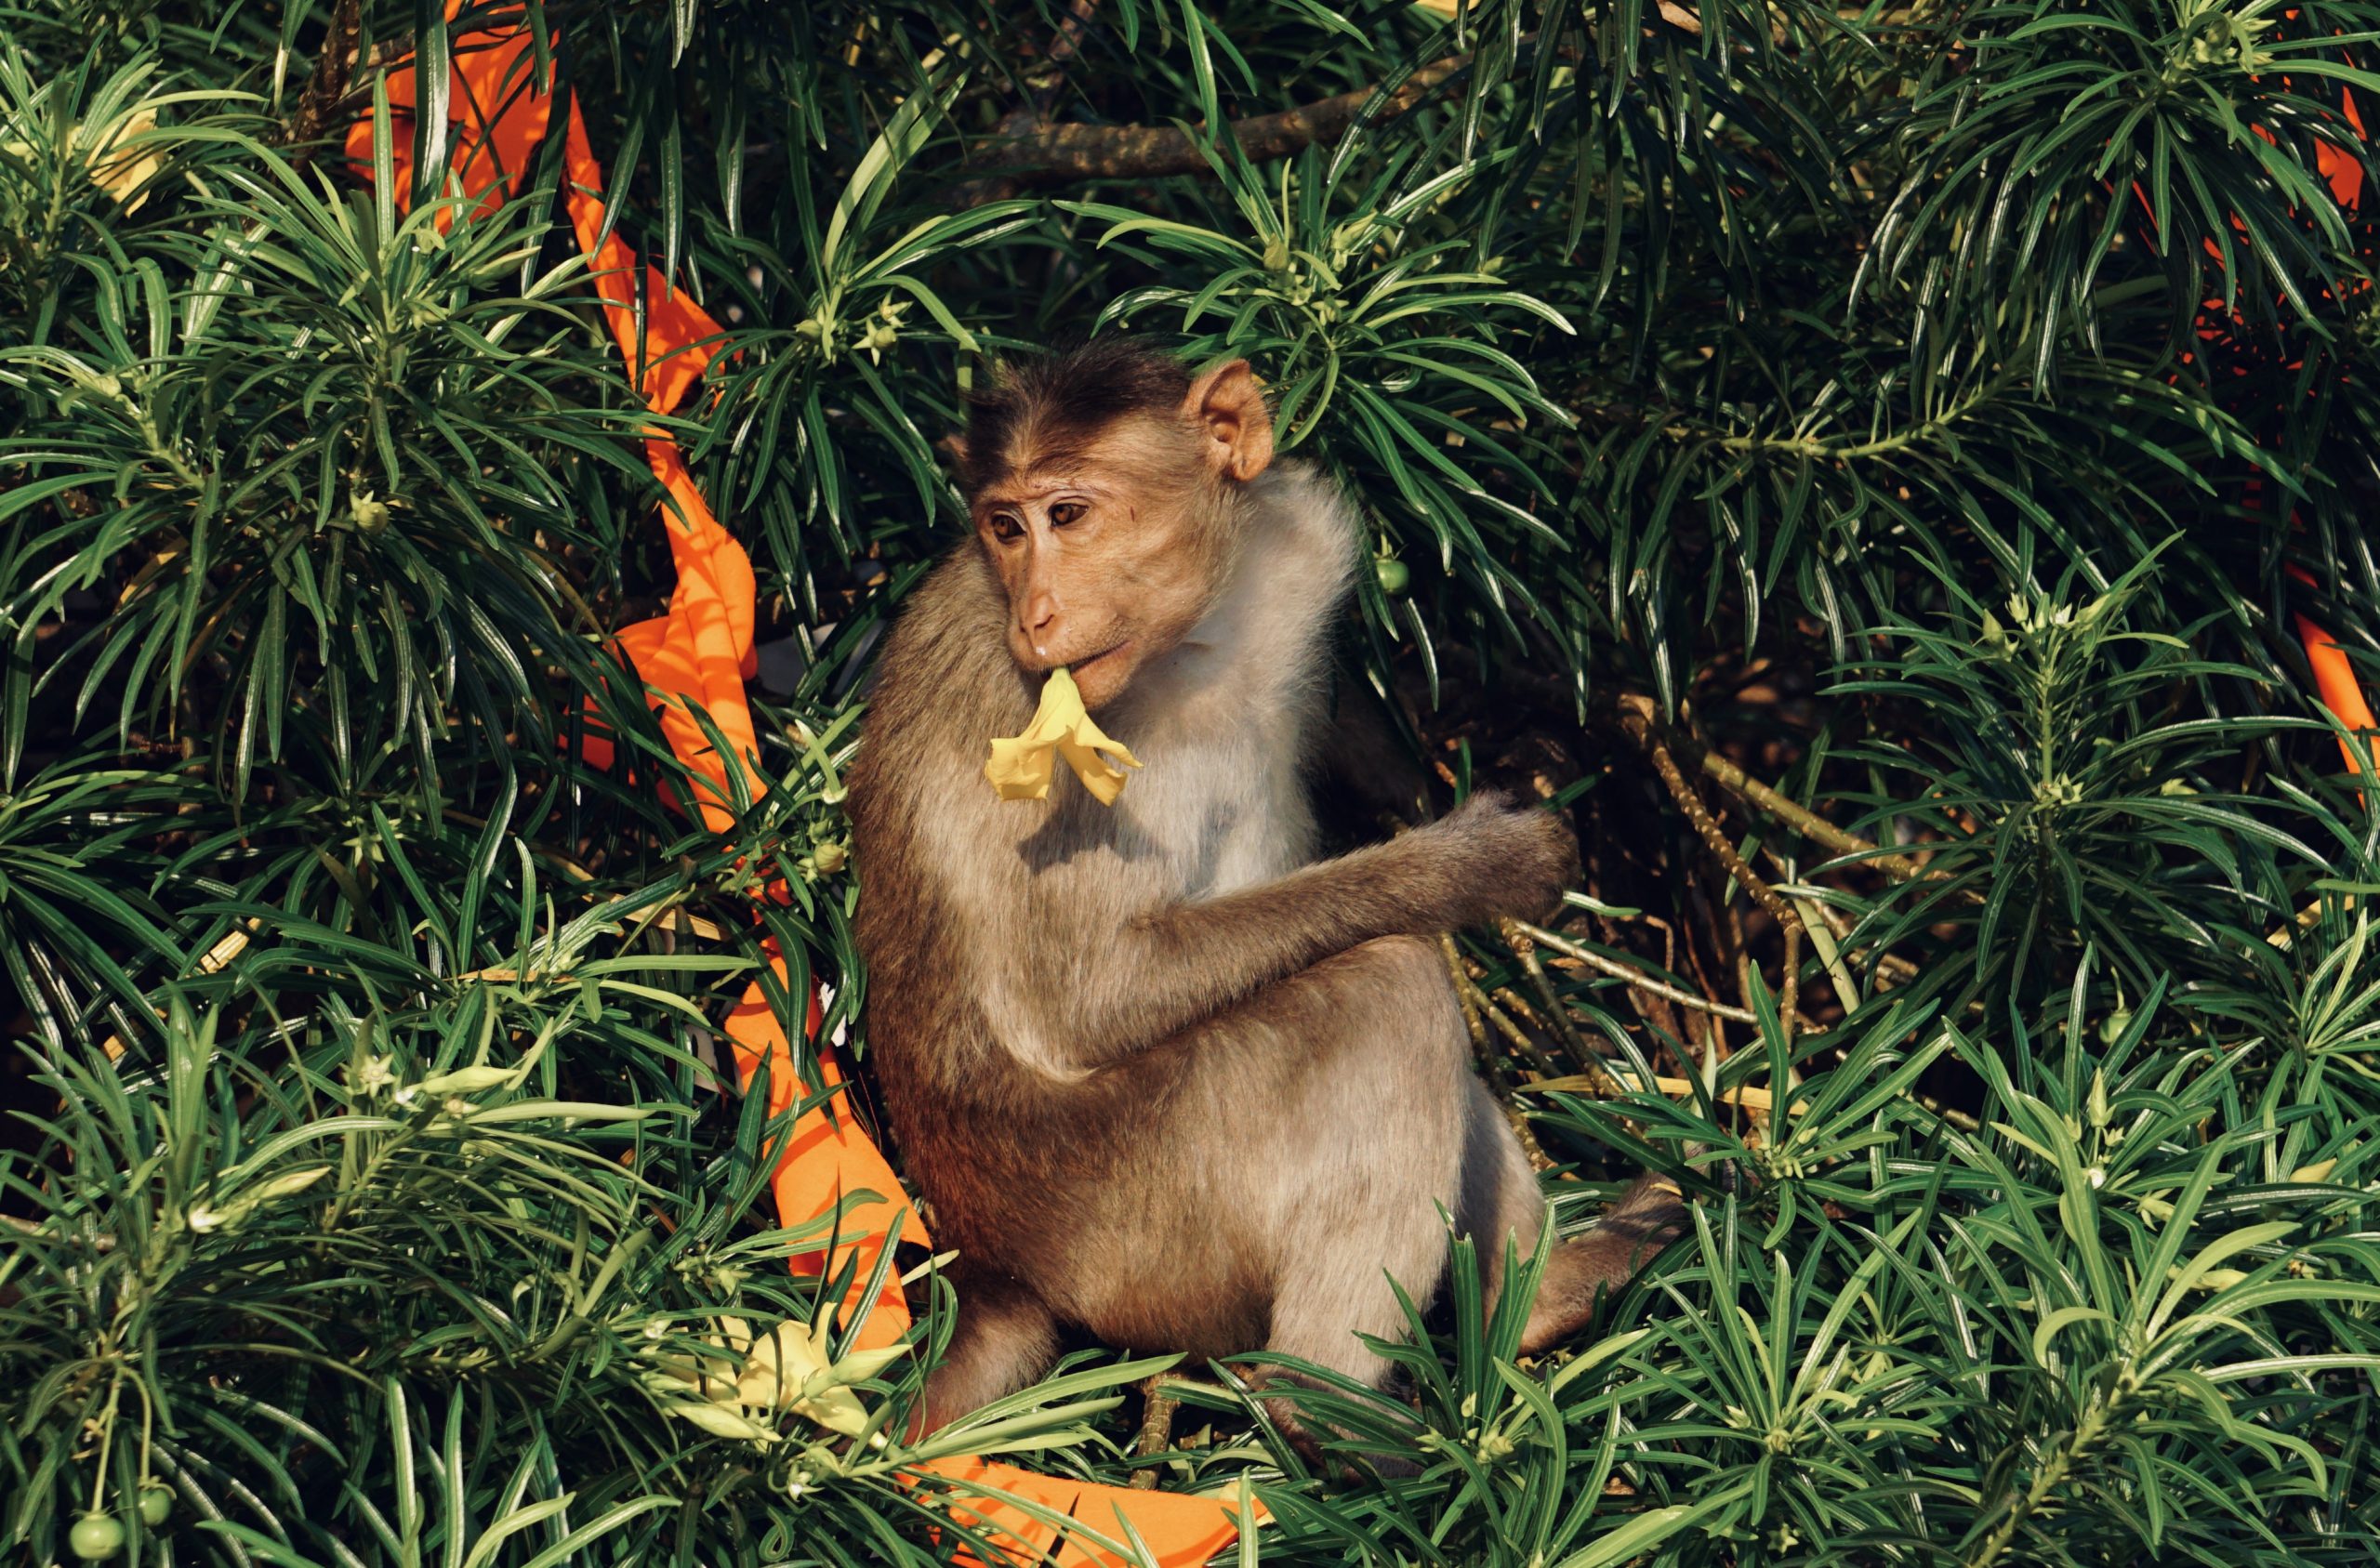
786 1368
1022 765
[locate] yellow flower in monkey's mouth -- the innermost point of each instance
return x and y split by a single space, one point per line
1022 766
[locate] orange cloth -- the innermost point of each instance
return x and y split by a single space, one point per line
1180 1530
2334 673
2334 676
498 114
700 653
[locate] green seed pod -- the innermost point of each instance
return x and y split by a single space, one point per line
96 1537
156 1504
1394 574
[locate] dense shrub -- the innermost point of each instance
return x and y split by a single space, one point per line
1862 463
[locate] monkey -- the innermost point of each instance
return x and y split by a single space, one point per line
1161 1074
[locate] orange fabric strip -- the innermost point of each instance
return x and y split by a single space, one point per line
501 115
2342 693
699 651
680 336
824 1162
1178 1530
2334 674
2334 678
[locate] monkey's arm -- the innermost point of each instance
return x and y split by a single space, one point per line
1185 962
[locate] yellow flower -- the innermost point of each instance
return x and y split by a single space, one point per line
786 1368
1021 766
119 170
116 169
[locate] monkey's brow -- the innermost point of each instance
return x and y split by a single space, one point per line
1038 480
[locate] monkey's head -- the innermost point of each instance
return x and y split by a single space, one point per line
1103 484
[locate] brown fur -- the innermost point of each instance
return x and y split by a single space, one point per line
1160 1072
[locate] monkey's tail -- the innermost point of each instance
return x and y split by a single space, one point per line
1584 1269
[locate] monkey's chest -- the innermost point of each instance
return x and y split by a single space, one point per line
1216 818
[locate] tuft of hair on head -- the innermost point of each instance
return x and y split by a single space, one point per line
1062 397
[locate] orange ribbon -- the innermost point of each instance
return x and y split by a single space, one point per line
2334 672
699 655
2334 678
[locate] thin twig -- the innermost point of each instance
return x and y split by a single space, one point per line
1156 1428
1635 977
1524 948
1815 828
1463 992
1506 1004
1477 1013
1499 1020
1521 1007
1744 1096
1788 920
226 948
1650 1006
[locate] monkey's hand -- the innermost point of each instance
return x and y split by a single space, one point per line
1505 858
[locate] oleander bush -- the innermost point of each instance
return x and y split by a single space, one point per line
1866 464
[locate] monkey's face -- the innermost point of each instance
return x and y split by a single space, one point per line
1109 555
1111 538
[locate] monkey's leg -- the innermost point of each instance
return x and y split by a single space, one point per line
1344 1292
1641 1221
1502 1199
1501 1204
1004 1340
1375 1130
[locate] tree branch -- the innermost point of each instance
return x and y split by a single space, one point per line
318 104
1046 154
1063 154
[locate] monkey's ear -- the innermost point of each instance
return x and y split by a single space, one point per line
1228 408
953 446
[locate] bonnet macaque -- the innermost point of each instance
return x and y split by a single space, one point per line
1161 1073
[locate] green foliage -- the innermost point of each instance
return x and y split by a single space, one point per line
1923 411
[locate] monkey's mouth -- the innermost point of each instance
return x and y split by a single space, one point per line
1081 664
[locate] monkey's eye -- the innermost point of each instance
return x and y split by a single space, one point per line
1006 527
1065 512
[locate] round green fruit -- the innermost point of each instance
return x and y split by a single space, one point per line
1394 574
156 1505
95 1536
